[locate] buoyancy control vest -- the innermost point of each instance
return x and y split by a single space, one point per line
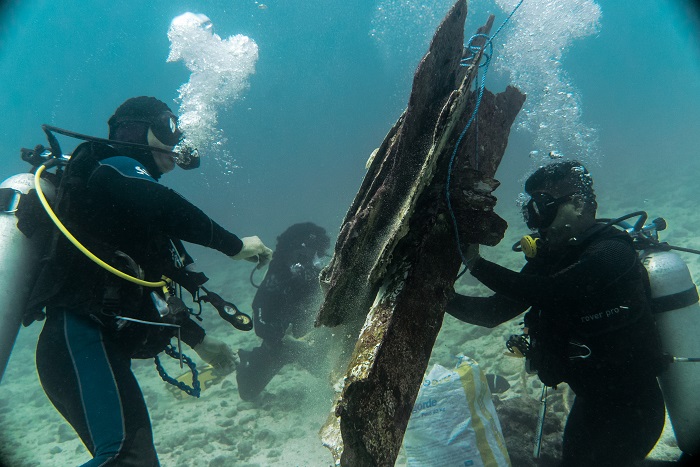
70 280
673 298
64 269
582 338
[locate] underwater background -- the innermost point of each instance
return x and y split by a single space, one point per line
614 83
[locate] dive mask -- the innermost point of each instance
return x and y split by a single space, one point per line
165 128
542 209
313 265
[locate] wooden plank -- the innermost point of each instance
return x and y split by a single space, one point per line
396 259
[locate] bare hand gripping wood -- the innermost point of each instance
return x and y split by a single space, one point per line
396 257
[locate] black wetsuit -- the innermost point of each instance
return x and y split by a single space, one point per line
83 355
591 326
287 297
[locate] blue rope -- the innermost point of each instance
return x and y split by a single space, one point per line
465 62
194 390
507 19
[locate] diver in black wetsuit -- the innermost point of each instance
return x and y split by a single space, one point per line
590 323
289 296
110 200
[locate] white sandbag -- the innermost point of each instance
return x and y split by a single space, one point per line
454 422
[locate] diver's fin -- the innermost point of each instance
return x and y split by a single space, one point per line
206 376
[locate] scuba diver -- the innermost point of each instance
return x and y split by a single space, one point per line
288 296
589 323
109 199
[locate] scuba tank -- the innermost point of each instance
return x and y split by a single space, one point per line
677 314
19 259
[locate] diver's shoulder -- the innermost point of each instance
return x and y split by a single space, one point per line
127 167
612 237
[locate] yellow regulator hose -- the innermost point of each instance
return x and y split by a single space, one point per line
78 245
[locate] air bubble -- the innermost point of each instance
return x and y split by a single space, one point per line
532 47
220 70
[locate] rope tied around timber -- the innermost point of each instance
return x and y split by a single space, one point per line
466 61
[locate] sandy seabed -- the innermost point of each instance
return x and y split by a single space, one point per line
280 428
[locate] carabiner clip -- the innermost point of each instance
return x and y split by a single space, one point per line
584 355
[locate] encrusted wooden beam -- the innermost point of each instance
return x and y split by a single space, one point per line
396 257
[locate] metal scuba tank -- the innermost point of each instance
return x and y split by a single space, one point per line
677 314
19 260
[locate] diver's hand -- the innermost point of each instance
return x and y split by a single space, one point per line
471 255
217 354
255 251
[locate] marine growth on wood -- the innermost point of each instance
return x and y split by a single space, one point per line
396 257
